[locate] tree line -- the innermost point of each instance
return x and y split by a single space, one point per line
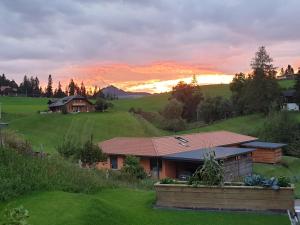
30 86
256 92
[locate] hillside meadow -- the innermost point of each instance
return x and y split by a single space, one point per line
120 205
45 131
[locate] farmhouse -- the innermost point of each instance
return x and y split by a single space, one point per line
180 156
74 103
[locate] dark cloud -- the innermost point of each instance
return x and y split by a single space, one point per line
41 37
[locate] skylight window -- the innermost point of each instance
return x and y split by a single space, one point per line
181 139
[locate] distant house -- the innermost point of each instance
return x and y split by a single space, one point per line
75 103
8 91
179 156
289 100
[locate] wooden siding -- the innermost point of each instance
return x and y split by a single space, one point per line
80 104
267 155
224 198
237 167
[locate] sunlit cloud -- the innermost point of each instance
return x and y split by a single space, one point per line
154 77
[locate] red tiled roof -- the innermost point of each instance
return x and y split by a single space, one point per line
159 146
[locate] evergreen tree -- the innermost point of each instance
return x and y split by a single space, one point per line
82 90
71 87
59 92
49 90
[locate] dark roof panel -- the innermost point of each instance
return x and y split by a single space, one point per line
260 144
199 155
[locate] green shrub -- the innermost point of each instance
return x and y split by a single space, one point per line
167 180
211 173
68 148
133 168
90 153
16 216
282 127
15 141
284 181
64 110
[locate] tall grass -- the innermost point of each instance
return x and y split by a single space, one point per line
21 174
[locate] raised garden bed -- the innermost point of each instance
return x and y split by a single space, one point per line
228 197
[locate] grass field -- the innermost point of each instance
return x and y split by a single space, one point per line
45 131
125 207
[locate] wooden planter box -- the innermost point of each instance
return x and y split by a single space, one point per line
244 198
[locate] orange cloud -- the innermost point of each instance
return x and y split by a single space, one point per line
154 77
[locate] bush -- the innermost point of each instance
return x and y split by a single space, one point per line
284 181
64 110
101 105
16 216
167 180
282 127
68 148
214 108
133 168
14 141
90 153
211 173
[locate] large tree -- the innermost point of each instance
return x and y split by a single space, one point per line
190 96
49 89
263 61
71 87
259 92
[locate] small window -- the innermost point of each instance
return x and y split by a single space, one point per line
154 162
113 162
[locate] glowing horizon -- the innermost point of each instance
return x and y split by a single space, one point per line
160 86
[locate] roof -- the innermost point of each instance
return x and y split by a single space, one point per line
65 100
260 144
159 146
199 155
289 93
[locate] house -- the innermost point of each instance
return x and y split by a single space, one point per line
179 156
74 103
289 100
8 91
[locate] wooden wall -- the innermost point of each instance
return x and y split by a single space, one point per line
224 198
267 155
237 167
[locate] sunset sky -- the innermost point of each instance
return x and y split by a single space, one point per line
144 45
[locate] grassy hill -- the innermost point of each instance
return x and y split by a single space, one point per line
45 131
123 206
158 101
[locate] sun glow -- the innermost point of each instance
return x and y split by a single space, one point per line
158 86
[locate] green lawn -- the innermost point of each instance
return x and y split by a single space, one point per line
289 167
125 207
46 131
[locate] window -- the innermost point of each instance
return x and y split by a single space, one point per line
113 162
154 162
